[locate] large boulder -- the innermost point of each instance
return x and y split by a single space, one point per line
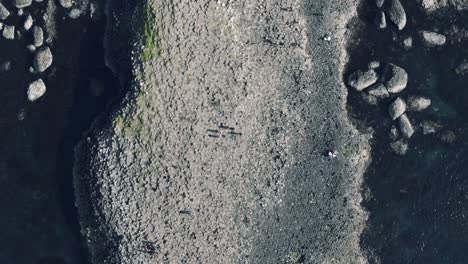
397 108
22 3
36 90
396 13
406 128
432 39
360 80
28 22
395 78
4 13
38 36
43 59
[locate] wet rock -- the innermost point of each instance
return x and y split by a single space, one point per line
395 79
28 22
20 12
399 147
74 13
463 68
9 32
66 3
394 133
31 47
430 127
36 90
432 39
379 3
38 36
360 80
397 108
378 90
396 13
22 3
4 13
418 103
380 20
374 65
370 99
5 66
448 137
43 59
406 128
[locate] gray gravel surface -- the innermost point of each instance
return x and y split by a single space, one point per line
217 153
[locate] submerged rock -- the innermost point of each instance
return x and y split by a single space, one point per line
432 39
370 99
397 108
28 22
38 36
378 90
9 32
448 137
418 103
405 126
31 47
22 3
66 3
43 59
36 90
4 13
430 127
394 132
399 147
5 66
462 69
408 43
379 3
395 79
396 13
380 20
360 80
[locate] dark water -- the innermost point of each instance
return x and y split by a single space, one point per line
39 219
418 203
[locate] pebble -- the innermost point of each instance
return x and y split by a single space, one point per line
43 59
380 20
28 22
38 36
20 12
378 90
430 127
36 90
360 80
396 78
405 126
31 47
408 43
66 3
397 108
418 103
5 66
399 147
4 13
74 13
9 32
396 13
22 3
432 39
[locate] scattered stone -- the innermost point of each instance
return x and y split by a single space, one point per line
66 3
28 22
31 47
361 80
36 90
418 103
378 90
432 39
5 66
379 3
20 12
4 13
405 126
394 132
38 36
397 108
43 59
396 78
370 99
408 43
396 13
74 13
9 32
380 20
463 68
374 65
22 3
399 147
448 137
430 127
